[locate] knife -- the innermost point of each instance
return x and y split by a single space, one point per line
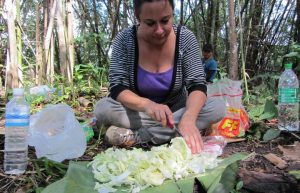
173 126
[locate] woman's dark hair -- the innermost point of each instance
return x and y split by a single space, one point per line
137 4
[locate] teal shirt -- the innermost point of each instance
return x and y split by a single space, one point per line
210 68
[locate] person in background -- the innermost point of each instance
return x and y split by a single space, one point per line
210 64
156 81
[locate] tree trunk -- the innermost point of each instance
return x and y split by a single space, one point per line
47 64
297 34
214 4
255 16
181 12
226 39
216 30
96 30
125 15
62 37
39 50
19 43
46 21
242 52
12 80
70 36
50 67
197 23
115 20
233 59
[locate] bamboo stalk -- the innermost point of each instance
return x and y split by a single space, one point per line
242 54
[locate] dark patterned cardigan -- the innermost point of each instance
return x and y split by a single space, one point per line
188 73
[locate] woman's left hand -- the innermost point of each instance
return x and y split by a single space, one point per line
191 135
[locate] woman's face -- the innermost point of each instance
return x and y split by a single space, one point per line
156 21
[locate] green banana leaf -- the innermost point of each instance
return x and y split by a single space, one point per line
80 179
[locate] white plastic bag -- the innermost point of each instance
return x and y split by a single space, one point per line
56 134
214 144
42 90
236 120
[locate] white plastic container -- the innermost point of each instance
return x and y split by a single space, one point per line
16 129
288 104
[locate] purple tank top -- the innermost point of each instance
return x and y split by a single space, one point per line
154 86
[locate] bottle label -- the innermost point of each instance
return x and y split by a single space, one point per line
288 95
16 120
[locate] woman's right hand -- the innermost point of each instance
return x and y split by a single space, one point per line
159 112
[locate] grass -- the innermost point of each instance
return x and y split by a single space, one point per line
42 172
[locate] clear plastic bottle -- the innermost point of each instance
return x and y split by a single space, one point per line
17 115
288 105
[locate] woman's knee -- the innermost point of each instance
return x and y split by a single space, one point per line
102 107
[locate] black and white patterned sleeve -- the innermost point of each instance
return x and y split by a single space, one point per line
193 72
118 74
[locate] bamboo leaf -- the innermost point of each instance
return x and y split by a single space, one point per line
80 179
229 177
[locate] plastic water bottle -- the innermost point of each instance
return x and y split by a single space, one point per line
16 129
288 105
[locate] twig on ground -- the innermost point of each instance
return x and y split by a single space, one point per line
297 136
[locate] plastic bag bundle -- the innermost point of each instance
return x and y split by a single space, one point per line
236 121
56 133
214 144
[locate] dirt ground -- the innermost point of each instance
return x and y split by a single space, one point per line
257 173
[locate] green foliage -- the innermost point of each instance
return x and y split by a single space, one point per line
88 45
255 112
228 178
296 173
294 56
88 78
263 95
266 111
263 87
259 130
271 134
239 185
222 73
46 171
256 131
270 110
50 167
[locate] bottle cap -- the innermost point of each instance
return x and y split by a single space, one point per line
288 66
18 91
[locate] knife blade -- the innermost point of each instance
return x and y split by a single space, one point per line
173 126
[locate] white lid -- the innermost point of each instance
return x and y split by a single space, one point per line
18 91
